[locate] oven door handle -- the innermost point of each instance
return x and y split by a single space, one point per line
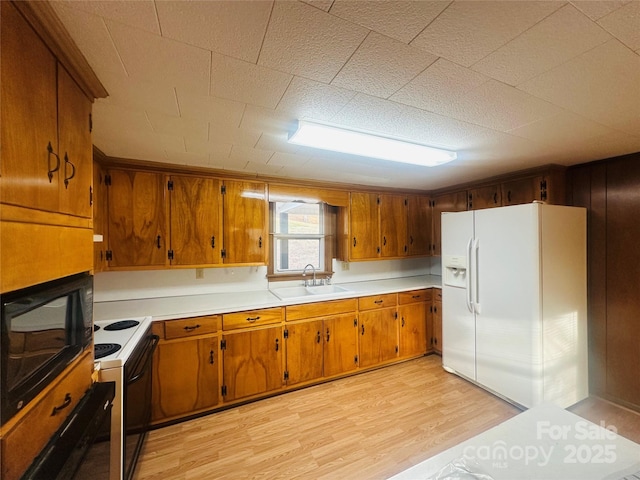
153 339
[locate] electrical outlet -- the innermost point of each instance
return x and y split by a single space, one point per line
345 266
199 273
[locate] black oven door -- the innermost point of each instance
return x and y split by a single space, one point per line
137 401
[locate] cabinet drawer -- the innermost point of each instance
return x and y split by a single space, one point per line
189 327
378 301
437 294
321 309
414 296
36 425
231 321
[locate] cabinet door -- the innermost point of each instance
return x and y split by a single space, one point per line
75 149
449 202
413 329
340 344
195 219
525 190
364 226
29 116
418 225
136 221
252 362
437 326
484 197
378 336
185 377
245 222
99 217
393 225
304 351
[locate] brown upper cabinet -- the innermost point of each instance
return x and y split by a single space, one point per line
388 226
137 228
195 213
364 225
393 225
447 202
418 225
160 220
489 196
245 222
46 129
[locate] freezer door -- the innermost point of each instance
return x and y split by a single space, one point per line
508 328
458 321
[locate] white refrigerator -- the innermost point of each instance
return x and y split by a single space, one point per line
514 313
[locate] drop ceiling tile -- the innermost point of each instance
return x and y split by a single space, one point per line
288 159
606 146
268 120
402 20
148 96
139 14
321 4
228 27
263 169
381 66
468 31
500 107
390 118
115 118
170 125
556 39
314 100
561 129
598 9
197 146
152 58
188 158
91 35
245 82
308 42
247 154
245 137
624 24
434 88
211 109
602 85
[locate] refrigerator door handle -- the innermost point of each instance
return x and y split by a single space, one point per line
469 273
476 276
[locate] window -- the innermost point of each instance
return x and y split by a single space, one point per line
299 238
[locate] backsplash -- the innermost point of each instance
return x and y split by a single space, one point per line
112 286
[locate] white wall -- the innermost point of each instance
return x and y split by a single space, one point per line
111 286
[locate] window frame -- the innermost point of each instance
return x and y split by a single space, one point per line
326 248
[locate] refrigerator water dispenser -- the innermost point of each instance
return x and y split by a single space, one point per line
455 270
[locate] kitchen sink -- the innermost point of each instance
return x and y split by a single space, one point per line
291 293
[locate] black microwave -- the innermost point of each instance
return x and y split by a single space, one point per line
44 328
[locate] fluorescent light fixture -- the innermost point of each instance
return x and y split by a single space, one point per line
337 139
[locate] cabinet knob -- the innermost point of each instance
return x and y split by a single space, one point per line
318 337
362 328
158 238
328 335
277 344
211 357
65 404
260 242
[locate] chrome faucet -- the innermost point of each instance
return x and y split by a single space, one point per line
304 274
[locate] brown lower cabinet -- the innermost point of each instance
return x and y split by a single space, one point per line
436 308
251 362
204 363
186 367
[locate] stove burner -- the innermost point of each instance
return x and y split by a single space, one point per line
96 328
122 325
104 349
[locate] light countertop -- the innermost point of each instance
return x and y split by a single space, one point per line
167 308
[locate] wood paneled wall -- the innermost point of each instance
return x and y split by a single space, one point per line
610 190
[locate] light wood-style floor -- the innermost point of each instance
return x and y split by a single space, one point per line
369 426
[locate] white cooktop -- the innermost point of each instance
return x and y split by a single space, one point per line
127 339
